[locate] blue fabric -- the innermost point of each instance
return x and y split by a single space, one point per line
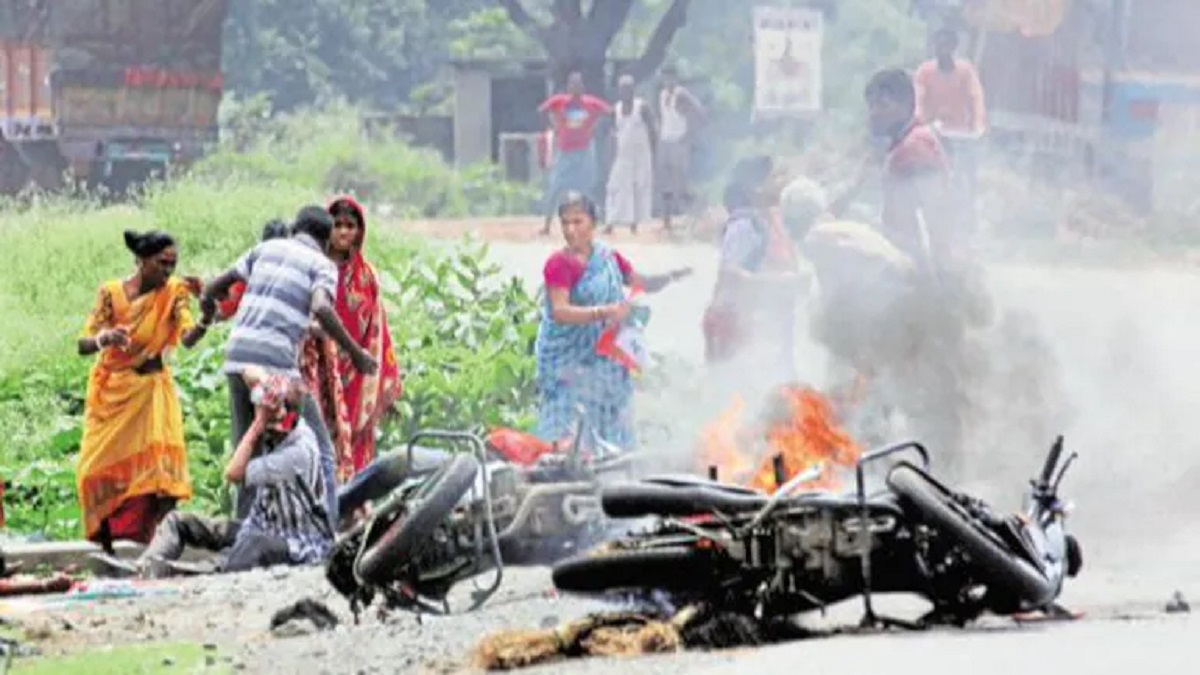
569 372
573 170
744 244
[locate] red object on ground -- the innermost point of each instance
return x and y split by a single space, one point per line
59 583
518 447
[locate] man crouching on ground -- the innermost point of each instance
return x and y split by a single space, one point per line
286 524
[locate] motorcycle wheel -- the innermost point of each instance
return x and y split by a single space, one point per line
408 537
996 566
675 569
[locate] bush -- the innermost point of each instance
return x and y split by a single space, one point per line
325 150
463 333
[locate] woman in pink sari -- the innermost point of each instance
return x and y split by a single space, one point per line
360 307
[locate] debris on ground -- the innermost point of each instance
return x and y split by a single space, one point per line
625 634
30 585
1178 604
615 634
302 618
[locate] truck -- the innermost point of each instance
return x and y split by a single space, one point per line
106 93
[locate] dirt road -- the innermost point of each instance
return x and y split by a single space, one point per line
1119 348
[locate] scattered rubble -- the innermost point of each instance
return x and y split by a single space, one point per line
1178 604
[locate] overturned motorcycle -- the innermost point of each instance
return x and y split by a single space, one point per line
740 551
474 514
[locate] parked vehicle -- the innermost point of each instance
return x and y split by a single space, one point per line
106 93
737 550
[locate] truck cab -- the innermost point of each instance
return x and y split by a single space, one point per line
106 92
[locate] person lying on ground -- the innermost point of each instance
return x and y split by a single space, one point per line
288 281
286 524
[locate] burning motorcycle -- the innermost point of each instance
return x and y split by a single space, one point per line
741 551
477 512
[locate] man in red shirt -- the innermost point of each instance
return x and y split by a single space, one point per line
917 211
573 116
950 99
949 93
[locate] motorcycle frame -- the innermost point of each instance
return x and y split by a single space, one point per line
870 619
533 493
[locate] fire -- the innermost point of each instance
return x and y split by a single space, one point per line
801 430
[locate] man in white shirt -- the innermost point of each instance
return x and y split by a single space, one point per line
679 114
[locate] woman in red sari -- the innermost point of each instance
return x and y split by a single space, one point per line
360 307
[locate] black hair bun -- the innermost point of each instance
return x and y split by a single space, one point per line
148 244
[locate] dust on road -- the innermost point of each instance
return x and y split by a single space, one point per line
1122 344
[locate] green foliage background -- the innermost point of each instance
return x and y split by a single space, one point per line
463 331
377 52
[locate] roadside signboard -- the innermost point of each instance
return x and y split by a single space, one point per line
787 61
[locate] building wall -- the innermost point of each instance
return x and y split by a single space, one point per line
472 117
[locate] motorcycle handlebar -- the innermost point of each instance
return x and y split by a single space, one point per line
1051 462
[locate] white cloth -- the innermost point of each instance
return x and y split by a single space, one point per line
674 122
631 182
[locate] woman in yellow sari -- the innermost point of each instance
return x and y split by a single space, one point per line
132 466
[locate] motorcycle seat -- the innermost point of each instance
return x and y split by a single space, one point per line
684 498
687 480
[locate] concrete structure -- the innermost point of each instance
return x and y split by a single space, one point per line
492 98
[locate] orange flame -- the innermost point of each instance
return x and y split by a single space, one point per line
802 431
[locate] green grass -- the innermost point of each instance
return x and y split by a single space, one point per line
125 660
461 333
58 253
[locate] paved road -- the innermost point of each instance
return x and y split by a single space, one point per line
1122 357
1119 347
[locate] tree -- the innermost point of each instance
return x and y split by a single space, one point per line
369 51
575 40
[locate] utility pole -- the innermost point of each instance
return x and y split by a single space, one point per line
1114 52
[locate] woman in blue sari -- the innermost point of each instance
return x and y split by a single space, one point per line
585 293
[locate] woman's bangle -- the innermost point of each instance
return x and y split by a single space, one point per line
597 313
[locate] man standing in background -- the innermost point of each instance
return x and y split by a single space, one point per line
917 214
631 181
679 113
573 116
950 99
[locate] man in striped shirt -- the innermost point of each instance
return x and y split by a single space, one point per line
288 283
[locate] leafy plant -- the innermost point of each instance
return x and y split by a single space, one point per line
463 333
465 336
324 149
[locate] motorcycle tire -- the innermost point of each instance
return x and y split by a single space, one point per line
675 569
996 566
407 537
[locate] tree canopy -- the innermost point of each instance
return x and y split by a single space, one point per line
385 53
